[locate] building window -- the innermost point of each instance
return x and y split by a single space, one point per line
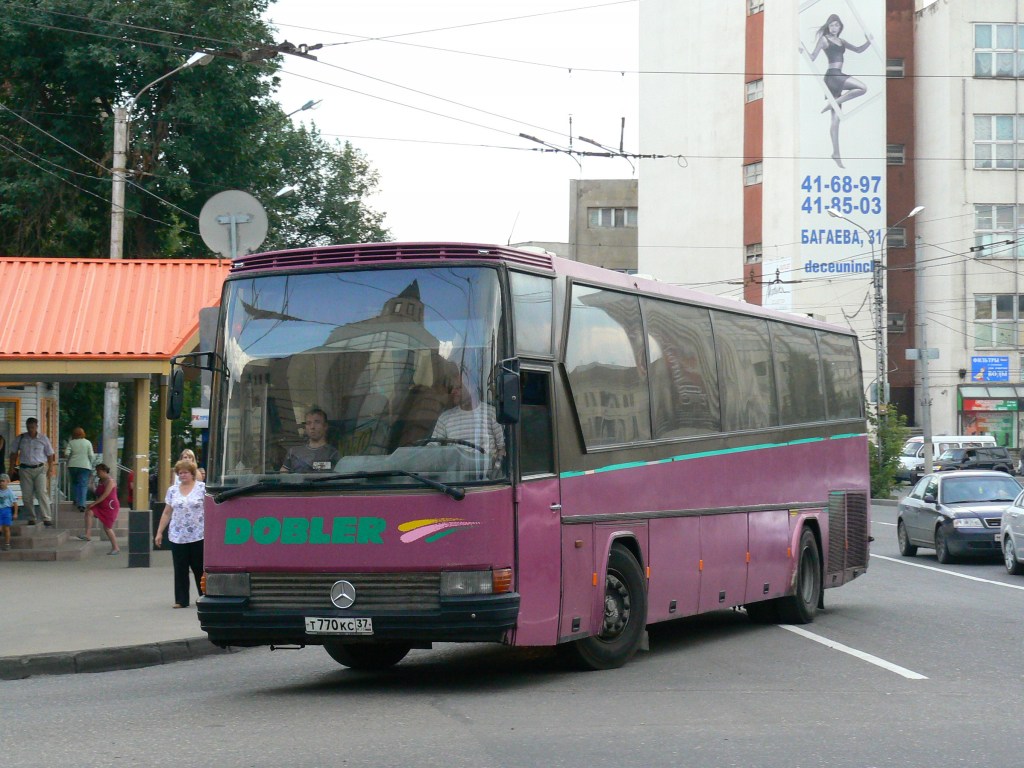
755 6
897 322
997 320
998 50
895 154
894 68
998 231
753 253
612 217
752 173
999 142
755 90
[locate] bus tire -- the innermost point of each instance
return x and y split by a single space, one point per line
373 657
802 606
625 616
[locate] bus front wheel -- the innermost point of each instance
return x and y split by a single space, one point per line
802 606
625 616
369 657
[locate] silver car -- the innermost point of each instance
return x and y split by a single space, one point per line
957 513
1011 536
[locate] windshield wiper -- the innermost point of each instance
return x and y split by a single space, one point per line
448 490
262 485
276 484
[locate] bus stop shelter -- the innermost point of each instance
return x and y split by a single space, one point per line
106 320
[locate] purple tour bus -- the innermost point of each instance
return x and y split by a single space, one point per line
419 443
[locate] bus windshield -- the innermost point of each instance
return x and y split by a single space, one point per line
367 378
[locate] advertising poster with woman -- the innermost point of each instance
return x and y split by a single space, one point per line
841 113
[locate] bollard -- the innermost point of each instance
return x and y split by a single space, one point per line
140 534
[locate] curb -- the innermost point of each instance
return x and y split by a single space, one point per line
107 659
885 502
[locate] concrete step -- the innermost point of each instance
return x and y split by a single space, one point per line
71 550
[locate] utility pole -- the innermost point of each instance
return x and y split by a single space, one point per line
920 313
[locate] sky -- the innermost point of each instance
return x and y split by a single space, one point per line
437 97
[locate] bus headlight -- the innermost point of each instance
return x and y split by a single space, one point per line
227 584
458 583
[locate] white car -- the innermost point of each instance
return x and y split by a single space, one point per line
1011 536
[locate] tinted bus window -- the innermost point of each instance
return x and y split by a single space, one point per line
801 397
745 372
682 369
841 370
604 358
531 307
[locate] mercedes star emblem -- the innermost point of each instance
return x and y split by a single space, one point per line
343 594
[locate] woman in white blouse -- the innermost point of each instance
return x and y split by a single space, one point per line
183 520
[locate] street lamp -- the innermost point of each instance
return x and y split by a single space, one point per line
112 395
311 104
121 116
878 270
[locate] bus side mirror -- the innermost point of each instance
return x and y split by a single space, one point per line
509 396
176 394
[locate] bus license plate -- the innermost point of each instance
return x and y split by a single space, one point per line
317 625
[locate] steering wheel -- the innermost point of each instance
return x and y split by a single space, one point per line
450 441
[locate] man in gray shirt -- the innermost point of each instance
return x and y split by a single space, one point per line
33 457
316 455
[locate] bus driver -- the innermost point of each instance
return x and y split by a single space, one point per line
316 455
470 421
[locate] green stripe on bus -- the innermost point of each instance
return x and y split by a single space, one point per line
706 454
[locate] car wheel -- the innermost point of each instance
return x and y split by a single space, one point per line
1013 566
906 548
942 547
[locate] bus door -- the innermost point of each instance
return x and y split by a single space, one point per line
538 512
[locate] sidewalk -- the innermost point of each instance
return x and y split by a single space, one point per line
93 615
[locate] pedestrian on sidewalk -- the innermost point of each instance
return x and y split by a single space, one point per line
33 457
104 508
81 457
184 520
186 455
8 510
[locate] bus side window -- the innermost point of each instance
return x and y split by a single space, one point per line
536 455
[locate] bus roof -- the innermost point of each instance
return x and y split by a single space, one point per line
417 253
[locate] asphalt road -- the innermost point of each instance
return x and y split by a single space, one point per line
924 670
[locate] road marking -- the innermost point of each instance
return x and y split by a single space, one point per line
878 522
949 573
910 675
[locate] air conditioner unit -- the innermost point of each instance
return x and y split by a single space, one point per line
897 322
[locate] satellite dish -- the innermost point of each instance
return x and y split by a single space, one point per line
233 223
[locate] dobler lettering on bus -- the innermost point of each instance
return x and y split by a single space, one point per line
301 530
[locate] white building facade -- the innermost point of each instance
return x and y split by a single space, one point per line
910 105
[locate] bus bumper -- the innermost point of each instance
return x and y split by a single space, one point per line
230 622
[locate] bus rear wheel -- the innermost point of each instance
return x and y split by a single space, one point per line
377 656
802 606
625 616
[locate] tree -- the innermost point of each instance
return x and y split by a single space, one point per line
891 432
67 63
